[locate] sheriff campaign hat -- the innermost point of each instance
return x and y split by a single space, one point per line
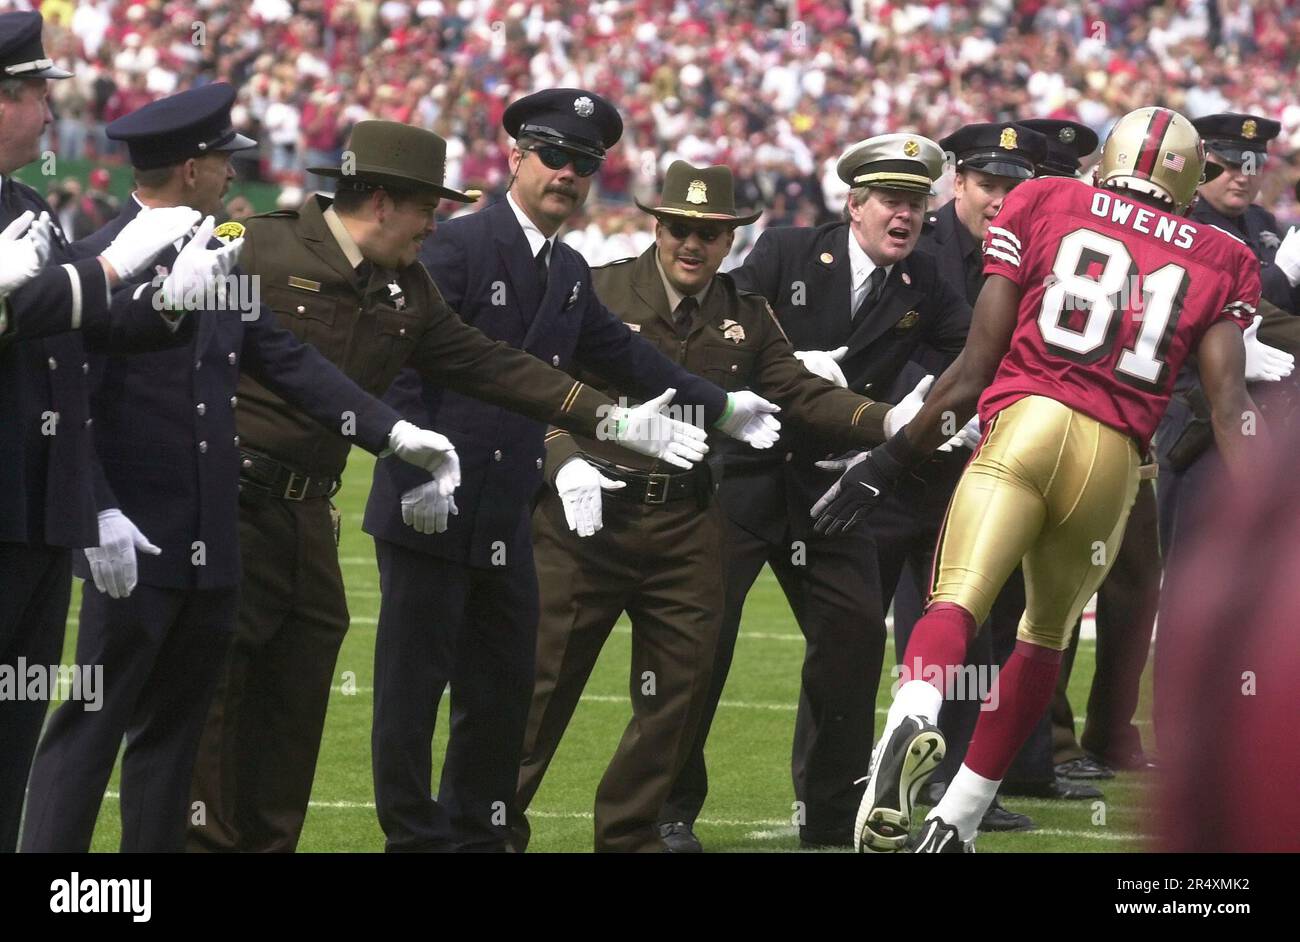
401 155
706 193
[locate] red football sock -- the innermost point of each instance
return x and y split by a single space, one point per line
1024 688
939 640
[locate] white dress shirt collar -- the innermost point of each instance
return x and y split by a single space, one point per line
534 235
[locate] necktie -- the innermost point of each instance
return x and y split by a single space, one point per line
540 261
683 315
875 288
364 271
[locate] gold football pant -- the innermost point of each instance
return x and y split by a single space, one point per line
1049 489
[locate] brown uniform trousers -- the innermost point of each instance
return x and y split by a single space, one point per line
662 563
258 753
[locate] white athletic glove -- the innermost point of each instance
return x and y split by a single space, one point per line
648 431
579 485
141 239
749 419
968 437
1264 363
907 409
1288 256
197 266
22 256
426 509
825 363
428 450
112 563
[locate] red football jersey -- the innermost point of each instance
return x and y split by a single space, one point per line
1114 295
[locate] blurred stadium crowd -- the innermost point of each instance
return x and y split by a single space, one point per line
774 90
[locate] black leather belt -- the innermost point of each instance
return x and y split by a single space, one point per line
644 487
281 481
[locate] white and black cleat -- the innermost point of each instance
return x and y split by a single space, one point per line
900 767
940 837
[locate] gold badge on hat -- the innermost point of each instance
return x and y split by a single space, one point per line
732 331
908 320
911 148
827 258
228 231
1066 136
1249 129
697 192
584 106
1008 139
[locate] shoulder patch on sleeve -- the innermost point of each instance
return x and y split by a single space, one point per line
229 231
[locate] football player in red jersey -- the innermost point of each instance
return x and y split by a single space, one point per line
1094 298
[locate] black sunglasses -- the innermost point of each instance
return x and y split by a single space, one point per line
584 165
681 232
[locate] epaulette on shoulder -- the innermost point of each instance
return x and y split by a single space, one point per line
278 214
617 261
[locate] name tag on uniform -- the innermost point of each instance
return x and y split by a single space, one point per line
306 284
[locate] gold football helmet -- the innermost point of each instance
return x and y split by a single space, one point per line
1154 151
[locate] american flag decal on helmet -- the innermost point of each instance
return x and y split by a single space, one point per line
1174 162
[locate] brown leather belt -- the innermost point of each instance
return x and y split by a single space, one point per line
281 481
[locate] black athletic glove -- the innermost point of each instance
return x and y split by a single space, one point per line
863 487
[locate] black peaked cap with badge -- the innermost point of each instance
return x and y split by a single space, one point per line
1068 142
1232 136
389 153
704 193
577 120
907 162
21 53
1004 150
171 130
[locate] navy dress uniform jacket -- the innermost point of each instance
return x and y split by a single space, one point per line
165 432
46 494
806 276
483 266
1258 228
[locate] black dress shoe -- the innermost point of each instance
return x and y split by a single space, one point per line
1084 767
998 818
1134 762
1059 789
678 838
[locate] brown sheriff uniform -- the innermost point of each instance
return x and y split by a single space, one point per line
259 748
659 555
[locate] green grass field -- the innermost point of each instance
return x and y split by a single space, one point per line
751 796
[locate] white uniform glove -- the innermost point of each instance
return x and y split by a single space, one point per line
907 409
968 437
112 563
141 239
579 485
428 450
22 256
648 431
1288 256
197 266
1264 363
426 509
749 419
825 363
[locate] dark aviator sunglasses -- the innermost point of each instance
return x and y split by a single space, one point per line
584 165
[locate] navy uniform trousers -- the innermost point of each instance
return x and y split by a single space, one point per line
154 635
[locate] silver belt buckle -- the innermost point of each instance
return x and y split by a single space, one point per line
296 489
656 491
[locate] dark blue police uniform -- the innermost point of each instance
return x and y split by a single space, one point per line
168 458
461 606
